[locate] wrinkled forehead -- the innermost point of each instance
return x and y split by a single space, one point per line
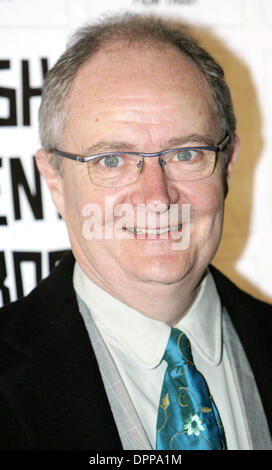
138 64
143 77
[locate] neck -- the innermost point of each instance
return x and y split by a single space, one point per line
166 303
163 302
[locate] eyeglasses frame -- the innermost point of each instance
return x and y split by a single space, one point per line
78 158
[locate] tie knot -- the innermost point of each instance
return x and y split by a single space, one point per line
178 349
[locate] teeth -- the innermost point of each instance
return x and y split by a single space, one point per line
143 231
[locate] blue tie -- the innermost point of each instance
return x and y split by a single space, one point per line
187 416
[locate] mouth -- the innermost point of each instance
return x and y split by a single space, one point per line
153 233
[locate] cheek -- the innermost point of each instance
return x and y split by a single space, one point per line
207 218
84 202
207 199
76 195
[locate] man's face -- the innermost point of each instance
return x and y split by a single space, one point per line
143 100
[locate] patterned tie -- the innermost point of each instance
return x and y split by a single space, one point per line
187 416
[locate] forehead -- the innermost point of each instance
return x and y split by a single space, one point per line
146 83
138 64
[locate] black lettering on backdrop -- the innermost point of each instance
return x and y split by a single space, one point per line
157 2
147 2
10 94
20 257
28 91
3 274
3 219
19 179
182 2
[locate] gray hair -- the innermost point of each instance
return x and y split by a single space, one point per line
134 28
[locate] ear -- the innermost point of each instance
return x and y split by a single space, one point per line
54 180
233 157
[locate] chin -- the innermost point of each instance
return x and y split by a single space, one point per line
162 270
162 278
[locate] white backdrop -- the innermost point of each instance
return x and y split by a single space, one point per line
33 34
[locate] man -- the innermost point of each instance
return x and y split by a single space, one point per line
82 361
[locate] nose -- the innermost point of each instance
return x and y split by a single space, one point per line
153 187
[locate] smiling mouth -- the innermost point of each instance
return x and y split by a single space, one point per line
148 231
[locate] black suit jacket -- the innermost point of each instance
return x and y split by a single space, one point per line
51 391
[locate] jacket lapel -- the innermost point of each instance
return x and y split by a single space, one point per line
251 406
54 386
252 320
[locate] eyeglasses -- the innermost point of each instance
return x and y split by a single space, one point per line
179 164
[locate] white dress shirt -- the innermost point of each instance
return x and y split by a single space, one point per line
137 344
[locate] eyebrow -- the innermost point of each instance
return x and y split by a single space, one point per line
194 140
108 146
178 141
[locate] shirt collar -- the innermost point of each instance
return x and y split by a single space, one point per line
203 322
145 338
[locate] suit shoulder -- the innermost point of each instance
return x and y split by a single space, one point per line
230 293
247 313
7 312
50 296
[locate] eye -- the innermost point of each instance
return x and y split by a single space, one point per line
111 161
185 155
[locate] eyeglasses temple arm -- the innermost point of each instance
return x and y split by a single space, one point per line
223 144
69 155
